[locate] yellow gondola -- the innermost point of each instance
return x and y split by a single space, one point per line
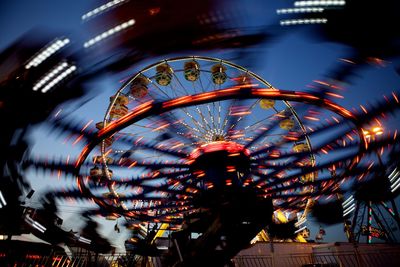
218 74
286 124
267 103
139 87
164 74
191 71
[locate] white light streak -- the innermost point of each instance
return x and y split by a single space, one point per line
395 185
351 200
50 75
394 174
108 33
299 10
301 229
289 22
350 209
35 224
2 200
46 52
320 3
59 78
102 8
84 240
303 220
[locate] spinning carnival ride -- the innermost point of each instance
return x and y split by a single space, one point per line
201 145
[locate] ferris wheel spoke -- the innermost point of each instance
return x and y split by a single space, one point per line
189 115
258 124
265 130
237 116
185 92
185 132
155 146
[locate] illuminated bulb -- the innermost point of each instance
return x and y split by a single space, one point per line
109 32
102 8
46 52
377 130
320 3
299 10
302 21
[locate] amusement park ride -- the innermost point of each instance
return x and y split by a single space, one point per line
209 155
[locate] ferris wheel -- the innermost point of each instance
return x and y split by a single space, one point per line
183 132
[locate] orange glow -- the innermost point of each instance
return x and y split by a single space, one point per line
395 97
154 11
87 125
81 157
350 137
230 168
377 130
161 127
77 139
32 256
378 122
132 164
311 118
134 113
177 101
334 95
108 152
321 82
344 112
